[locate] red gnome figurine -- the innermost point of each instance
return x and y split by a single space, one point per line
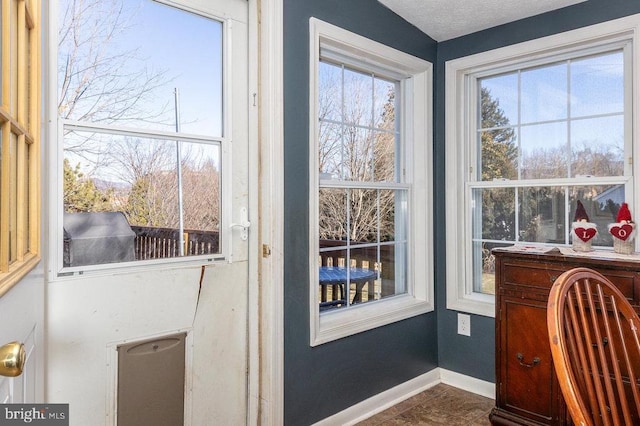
623 231
582 231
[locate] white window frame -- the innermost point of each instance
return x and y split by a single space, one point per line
460 92
416 76
56 272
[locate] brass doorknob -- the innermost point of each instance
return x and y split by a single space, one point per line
12 359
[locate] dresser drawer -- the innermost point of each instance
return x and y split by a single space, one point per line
626 282
525 276
538 275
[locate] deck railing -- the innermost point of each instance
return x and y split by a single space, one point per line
159 243
362 257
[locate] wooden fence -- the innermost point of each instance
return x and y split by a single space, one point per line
159 243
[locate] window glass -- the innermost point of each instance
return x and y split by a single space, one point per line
544 151
165 205
357 102
502 90
362 221
536 215
543 94
597 85
597 146
563 122
158 70
146 51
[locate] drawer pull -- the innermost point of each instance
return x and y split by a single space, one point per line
520 357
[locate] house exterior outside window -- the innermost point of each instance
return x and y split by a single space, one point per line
370 181
531 130
145 130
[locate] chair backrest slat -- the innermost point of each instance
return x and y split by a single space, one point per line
593 332
633 378
576 325
614 354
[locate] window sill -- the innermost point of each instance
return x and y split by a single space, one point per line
474 303
112 269
334 325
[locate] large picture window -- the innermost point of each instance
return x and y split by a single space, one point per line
19 140
145 133
370 181
536 136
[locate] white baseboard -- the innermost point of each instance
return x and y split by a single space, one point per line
468 383
397 394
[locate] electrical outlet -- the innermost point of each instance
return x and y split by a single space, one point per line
464 324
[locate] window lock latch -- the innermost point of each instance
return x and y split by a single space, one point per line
244 224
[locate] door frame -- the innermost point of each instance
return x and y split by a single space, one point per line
270 327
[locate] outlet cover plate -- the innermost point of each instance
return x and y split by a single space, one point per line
464 324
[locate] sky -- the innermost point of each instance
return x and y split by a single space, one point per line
589 91
187 47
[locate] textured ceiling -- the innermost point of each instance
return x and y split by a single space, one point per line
447 19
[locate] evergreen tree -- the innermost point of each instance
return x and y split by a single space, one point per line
81 194
499 150
499 161
137 209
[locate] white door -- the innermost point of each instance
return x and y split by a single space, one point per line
159 134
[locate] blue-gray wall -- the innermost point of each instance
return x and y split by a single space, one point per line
323 380
475 355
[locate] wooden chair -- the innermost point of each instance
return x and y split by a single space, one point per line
593 332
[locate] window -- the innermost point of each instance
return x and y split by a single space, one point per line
20 140
370 184
144 121
527 139
361 192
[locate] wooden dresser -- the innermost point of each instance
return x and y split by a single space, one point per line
527 391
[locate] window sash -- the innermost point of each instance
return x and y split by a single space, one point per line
518 124
222 140
369 71
475 178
